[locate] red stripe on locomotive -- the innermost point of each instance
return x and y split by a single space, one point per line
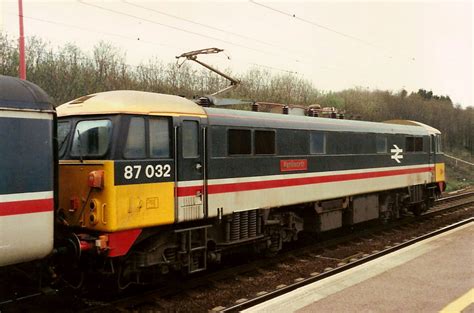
289 182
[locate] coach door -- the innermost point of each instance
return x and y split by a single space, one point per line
191 202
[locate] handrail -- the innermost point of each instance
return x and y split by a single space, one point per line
460 160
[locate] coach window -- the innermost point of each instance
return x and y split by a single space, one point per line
159 134
317 143
381 143
239 141
136 147
91 138
190 139
264 142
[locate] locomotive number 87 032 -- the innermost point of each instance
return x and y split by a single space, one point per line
172 185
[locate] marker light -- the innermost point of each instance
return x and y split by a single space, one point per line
75 204
96 179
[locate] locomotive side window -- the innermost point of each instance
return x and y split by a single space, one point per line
217 134
91 138
317 143
264 142
418 144
136 147
438 144
413 144
159 138
381 143
410 144
239 141
64 130
190 139
299 142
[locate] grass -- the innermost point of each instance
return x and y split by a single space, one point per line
458 175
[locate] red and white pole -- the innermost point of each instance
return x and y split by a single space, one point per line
22 69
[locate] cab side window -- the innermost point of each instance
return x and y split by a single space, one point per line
148 138
438 144
159 134
381 143
136 147
190 139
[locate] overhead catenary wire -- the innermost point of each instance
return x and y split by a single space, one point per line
329 29
144 41
274 68
187 31
198 23
214 28
138 39
175 28
313 23
195 33
86 29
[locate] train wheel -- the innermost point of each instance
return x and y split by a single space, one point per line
419 208
124 277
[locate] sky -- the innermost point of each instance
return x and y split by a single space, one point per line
388 45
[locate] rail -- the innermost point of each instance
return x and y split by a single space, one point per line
273 294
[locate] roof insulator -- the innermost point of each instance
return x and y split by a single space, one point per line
255 107
312 112
205 102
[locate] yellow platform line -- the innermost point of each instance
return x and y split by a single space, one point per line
460 303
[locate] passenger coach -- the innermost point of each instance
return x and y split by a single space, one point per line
27 171
152 181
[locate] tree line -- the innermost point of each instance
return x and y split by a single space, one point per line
68 72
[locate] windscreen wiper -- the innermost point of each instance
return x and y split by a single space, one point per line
80 145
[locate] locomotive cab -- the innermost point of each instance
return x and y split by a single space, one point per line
118 169
434 152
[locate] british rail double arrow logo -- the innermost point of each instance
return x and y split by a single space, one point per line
397 156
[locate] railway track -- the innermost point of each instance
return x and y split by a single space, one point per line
267 296
242 286
453 197
235 287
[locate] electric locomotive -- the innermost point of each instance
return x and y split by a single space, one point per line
153 182
27 171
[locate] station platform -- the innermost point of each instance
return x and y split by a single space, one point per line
434 275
